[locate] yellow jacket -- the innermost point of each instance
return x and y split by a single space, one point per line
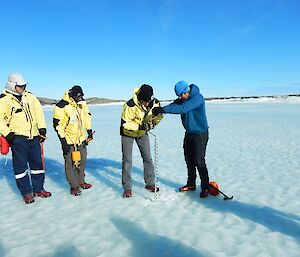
134 115
71 120
24 117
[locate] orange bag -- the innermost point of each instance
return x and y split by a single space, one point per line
212 189
4 146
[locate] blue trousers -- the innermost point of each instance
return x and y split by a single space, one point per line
28 152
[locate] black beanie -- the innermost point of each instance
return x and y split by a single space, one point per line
76 91
145 93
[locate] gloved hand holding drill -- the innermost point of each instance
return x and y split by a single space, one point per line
157 110
147 125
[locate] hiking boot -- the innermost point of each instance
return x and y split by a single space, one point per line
75 191
28 198
43 194
204 193
127 194
85 185
152 188
187 188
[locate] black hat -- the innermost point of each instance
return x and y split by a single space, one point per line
145 93
76 91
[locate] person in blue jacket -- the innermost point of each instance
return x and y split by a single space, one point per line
191 105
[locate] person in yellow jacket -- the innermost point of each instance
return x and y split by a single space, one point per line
136 121
71 121
23 125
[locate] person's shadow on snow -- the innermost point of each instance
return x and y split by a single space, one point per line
145 244
285 223
105 171
66 251
109 172
54 170
3 251
6 172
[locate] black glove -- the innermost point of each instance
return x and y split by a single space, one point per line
142 127
147 125
64 146
42 135
90 135
178 101
157 110
10 137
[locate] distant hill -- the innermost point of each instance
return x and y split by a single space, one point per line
91 100
97 100
47 101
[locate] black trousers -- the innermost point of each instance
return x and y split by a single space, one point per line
194 152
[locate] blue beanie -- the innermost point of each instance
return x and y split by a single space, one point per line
181 87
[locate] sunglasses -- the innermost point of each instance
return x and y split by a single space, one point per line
21 85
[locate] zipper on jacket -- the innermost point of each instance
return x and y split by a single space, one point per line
31 120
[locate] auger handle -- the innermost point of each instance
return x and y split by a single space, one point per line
225 196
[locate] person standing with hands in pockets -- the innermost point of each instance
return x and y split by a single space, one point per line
71 121
191 105
22 123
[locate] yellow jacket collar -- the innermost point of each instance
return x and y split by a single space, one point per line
69 99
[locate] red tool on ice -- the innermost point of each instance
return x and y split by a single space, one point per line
214 190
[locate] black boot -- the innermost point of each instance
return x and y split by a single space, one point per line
204 182
204 193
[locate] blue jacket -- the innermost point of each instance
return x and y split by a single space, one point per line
192 112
